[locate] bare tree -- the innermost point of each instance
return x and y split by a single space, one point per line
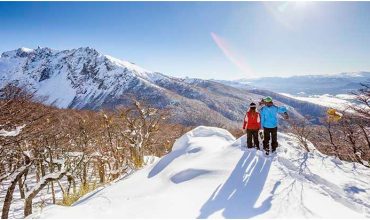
363 98
303 130
351 136
142 123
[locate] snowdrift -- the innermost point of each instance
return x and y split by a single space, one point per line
210 174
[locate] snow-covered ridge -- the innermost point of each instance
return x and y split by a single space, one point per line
340 75
126 64
210 174
71 78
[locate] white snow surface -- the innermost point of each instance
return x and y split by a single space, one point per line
128 65
12 133
340 101
210 174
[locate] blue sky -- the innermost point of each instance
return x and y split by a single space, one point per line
222 40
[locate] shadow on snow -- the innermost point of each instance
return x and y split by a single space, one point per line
238 195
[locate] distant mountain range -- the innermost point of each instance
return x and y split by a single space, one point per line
306 85
83 78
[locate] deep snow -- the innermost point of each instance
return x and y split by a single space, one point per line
210 174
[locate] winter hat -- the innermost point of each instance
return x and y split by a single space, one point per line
267 99
252 105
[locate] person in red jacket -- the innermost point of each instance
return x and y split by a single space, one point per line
251 125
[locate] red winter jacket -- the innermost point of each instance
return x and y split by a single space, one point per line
252 120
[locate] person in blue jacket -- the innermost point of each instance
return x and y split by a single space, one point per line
269 121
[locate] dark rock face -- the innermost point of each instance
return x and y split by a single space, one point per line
45 74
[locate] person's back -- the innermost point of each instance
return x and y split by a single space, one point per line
269 122
252 120
269 115
251 126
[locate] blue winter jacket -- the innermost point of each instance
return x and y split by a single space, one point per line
269 115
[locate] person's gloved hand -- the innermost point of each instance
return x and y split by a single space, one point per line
261 102
286 116
260 132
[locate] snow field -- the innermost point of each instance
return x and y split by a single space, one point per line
210 174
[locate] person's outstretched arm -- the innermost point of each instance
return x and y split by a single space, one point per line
283 109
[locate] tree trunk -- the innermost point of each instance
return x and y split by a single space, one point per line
2 168
21 189
101 171
332 141
84 175
42 168
52 171
354 148
9 194
28 207
61 188
53 191
69 179
37 174
35 191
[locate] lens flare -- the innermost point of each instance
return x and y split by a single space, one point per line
230 54
289 14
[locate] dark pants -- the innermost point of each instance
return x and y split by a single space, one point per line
270 133
252 135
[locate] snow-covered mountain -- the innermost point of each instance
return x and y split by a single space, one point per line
210 174
332 84
73 78
83 78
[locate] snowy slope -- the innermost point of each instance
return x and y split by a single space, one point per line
340 101
209 174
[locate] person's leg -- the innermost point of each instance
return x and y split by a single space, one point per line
249 139
274 143
255 139
266 139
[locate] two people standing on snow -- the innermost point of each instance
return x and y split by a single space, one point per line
266 118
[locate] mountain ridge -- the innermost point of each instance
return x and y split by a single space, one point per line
83 78
334 84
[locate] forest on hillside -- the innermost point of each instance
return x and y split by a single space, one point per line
75 151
